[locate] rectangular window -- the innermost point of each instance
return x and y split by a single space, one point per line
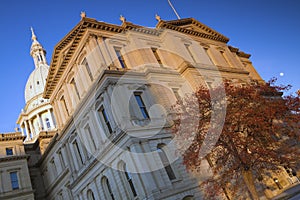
88 69
73 83
53 166
104 116
14 180
63 101
188 49
154 51
120 57
90 137
166 163
225 58
9 151
78 152
175 91
141 105
61 159
208 55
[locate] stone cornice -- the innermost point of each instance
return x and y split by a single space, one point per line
243 54
14 157
238 52
12 136
186 65
46 134
176 26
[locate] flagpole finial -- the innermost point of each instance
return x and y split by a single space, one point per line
82 14
122 18
157 17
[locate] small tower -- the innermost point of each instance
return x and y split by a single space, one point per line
37 52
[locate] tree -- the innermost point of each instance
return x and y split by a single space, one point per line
260 133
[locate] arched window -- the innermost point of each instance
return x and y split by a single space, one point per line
107 189
128 179
48 123
165 161
90 195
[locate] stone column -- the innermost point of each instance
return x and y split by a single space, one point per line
31 128
51 118
45 128
22 130
27 131
57 114
41 126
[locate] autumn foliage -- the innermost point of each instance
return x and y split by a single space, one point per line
246 133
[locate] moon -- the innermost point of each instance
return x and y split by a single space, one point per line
281 74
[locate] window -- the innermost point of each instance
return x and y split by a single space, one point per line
206 49
90 195
141 105
53 167
104 116
91 140
61 158
154 51
48 123
175 91
74 85
9 151
63 101
14 180
88 69
129 180
77 151
120 57
165 162
188 49
107 188
225 57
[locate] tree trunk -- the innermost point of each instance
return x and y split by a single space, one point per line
248 178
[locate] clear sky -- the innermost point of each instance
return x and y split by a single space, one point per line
267 29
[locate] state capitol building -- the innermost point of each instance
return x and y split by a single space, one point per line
97 119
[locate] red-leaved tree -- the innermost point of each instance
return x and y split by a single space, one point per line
258 132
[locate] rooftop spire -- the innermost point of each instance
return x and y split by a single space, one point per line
37 51
33 36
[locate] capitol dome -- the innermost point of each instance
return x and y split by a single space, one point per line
37 79
36 82
37 115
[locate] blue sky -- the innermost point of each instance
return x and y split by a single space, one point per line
267 29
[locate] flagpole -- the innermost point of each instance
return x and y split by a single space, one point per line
173 9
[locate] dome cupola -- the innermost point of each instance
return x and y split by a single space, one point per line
37 80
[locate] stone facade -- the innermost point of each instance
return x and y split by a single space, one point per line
111 88
15 180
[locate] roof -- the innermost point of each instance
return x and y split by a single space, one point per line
188 26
